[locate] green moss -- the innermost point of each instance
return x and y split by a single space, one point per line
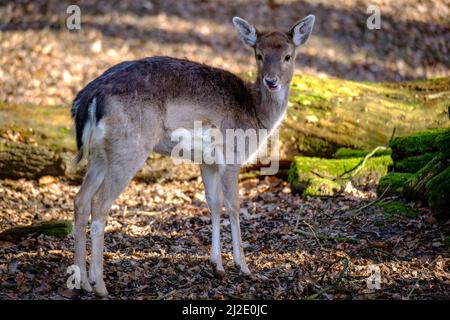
360 115
443 140
304 168
58 229
416 185
309 99
317 187
314 176
337 239
345 153
447 242
48 126
438 192
413 164
396 181
416 144
311 146
394 211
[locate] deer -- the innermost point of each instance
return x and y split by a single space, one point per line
130 111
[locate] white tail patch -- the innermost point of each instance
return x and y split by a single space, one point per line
93 133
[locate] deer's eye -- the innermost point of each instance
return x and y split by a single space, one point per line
259 57
287 58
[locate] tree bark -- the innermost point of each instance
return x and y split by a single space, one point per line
20 160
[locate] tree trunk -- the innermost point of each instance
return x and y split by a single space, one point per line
20 160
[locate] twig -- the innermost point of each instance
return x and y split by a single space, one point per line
314 234
298 216
412 290
229 295
319 237
392 135
355 170
164 296
329 267
335 282
372 202
362 164
320 175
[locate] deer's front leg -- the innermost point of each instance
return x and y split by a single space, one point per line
230 175
214 197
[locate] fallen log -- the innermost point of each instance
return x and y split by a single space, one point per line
20 160
418 179
312 176
58 229
326 114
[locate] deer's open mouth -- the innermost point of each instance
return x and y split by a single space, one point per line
272 83
273 87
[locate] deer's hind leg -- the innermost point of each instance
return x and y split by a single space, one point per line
94 177
124 160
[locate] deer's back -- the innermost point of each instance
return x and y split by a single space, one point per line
158 82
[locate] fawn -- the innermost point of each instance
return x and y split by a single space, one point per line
132 109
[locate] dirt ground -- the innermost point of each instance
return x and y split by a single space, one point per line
158 241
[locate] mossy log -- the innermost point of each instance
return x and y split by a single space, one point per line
413 164
319 187
415 187
393 183
438 192
314 176
420 143
58 229
346 153
424 161
326 114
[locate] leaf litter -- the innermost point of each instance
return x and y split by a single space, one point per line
158 239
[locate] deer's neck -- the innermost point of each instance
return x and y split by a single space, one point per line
270 106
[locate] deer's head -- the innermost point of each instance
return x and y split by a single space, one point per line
275 50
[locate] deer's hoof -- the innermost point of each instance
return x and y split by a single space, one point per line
100 290
245 270
218 270
85 285
219 273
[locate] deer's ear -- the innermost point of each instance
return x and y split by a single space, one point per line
247 32
301 30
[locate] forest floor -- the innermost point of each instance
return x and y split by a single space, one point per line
158 241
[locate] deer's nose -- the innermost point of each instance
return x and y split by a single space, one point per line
271 82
